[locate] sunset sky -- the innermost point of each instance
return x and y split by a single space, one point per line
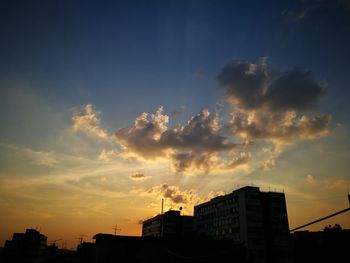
109 106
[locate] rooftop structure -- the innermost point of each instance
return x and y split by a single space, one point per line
169 224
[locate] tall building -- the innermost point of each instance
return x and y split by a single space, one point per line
247 215
169 224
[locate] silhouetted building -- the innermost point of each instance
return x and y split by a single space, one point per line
169 224
66 256
330 245
56 255
86 252
112 248
28 247
2 254
256 219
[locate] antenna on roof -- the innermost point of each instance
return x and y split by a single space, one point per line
161 219
116 229
53 242
81 238
162 206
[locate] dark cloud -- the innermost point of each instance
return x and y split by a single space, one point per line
199 134
172 193
192 145
254 86
294 90
268 105
138 176
183 161
283 127
143 138
313 127
243 82
209 161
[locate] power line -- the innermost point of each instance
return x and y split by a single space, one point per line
321 219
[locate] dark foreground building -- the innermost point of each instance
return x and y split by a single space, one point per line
28 247
256 219
111 248
31 247
330 245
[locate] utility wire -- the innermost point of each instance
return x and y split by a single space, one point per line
321 219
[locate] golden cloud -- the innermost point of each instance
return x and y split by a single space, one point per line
88 121
197 144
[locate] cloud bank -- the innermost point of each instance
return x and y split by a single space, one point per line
197 144
266 106
276 107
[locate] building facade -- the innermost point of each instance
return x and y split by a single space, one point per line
247 215
169 224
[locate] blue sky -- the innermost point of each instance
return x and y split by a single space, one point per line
74 73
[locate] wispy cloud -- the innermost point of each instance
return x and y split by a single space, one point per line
313 9
107 155
88 121
44 158
339 184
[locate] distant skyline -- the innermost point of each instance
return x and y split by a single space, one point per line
109 106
